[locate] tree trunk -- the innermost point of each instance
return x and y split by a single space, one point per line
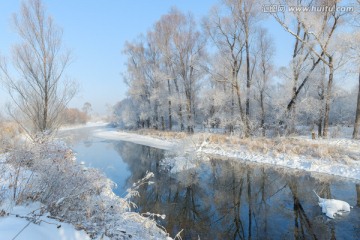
321 91
292 111
170 110
190 128
180 107
46 104
262 123
231 127
292 100
358 194
46 96
237 88
357 117
296 79
319 124
248 85
328 99
234 78
162 123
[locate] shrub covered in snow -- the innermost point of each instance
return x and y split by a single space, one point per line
47 172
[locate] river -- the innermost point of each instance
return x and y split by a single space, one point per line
223 199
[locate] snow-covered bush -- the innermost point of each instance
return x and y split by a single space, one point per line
46 171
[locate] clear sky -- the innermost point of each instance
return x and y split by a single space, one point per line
96 30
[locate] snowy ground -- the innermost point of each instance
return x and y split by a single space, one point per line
135 138
349 168
15 225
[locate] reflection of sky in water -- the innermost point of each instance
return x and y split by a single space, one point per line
212 201
101 155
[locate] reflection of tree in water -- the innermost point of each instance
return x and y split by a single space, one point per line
303 228
139 159
358 195
180 201
228 200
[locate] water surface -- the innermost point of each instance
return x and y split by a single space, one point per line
224 199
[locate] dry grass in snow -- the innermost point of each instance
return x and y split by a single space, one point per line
334 149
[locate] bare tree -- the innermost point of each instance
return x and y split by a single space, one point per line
247 12
265 69
38 90
298 64
357 117
139 80
320 28
189 54
164 32
225 31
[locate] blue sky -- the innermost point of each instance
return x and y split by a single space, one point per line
96 30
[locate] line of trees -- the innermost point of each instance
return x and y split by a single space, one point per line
220 71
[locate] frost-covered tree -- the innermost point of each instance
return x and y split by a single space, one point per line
357 116
320 30
189 56
168 60
126 114
264 72
224 29
39 90
355 50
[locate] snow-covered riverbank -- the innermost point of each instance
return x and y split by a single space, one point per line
43 179
136 138
16 225
348 167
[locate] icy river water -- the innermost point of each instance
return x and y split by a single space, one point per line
223 199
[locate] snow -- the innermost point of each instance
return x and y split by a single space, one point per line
347 170
332 207
135 138
48 228
88 124
179 163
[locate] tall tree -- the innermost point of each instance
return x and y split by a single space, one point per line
247 12
320 28
189 54
356 48
225 30
357 117
168 57
164 32
265 67
138 72
39 90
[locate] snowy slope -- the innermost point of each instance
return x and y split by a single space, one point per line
11 226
